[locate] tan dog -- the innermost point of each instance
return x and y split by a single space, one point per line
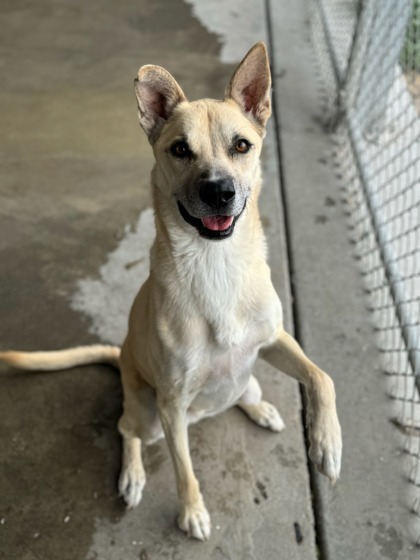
208 307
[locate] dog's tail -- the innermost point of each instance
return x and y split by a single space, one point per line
62 359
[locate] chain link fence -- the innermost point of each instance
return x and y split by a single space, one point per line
368 53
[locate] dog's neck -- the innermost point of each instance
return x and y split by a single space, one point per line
198 270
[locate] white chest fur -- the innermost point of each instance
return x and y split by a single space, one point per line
223 308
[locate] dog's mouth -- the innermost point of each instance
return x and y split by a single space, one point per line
210 227
217 223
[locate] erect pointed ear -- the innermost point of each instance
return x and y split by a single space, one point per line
157 95
251 84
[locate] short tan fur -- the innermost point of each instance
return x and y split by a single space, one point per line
208 307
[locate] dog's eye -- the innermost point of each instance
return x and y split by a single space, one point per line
180 149
242 146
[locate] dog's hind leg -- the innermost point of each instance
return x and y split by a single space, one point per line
261 412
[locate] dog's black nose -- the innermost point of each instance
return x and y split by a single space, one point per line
217 194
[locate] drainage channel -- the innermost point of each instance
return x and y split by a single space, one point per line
320 537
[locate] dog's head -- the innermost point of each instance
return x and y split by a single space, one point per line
207 152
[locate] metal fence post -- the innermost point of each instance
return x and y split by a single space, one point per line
378 40
358 53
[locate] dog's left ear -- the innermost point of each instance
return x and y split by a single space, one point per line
158 93
251 84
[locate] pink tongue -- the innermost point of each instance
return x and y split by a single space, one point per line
217 223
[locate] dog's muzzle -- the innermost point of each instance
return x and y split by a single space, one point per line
217 200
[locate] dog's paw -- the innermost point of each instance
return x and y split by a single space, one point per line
195 521
326 446
130 486
266 415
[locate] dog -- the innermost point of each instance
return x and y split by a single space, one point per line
208 308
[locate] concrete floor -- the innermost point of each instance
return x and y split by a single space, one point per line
74 231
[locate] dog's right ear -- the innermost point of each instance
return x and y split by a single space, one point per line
157 94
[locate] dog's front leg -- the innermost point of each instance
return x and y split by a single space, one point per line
194 518
324 429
